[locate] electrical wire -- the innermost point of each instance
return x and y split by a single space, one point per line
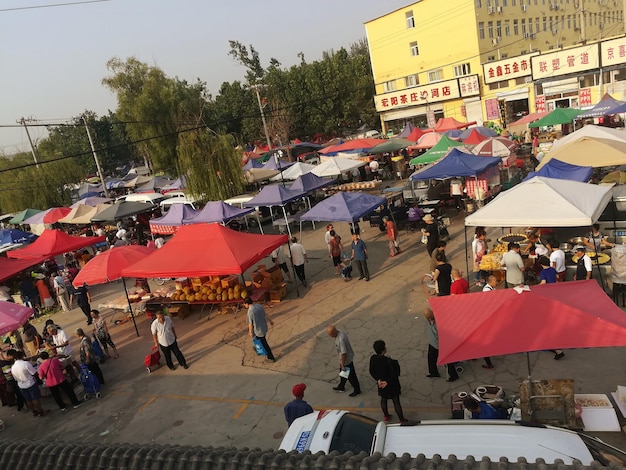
53 5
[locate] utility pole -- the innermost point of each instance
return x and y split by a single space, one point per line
33 150
256 88
95 157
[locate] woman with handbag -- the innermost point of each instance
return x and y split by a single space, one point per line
386 372
51 372
101 331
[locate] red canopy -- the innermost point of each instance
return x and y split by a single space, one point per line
474 138
206 250
565 315
415 134
532 117
56 214
11 267
52 243
108 265
352 145
448 124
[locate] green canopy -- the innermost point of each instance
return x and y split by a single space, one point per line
22 216
392 145
436 152
556 117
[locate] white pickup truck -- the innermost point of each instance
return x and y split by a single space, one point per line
343 431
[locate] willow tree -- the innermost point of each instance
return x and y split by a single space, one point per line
211 164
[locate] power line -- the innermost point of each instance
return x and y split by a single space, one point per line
53 5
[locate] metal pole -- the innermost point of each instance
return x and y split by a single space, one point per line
95 157
594 238
286 221
256 88
22 121
132 314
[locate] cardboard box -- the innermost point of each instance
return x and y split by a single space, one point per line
198 281
182 282
276 275
178 311
276 294
230 281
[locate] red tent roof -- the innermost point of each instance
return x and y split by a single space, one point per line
56 214
11 267
352 145
52 243
532 117
415 134
565 315
474 138
448 124
206 250
108 265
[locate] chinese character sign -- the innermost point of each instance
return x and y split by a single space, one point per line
613 52
564 62
584 97
423 95
540 104
469 86
506 69
492 110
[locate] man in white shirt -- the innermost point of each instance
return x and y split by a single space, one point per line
164 335
278 258
60 340
557 261
159 242
24 374
298 258
583 265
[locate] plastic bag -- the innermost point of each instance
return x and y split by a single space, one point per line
258 347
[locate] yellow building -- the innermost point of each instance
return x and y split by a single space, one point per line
472 59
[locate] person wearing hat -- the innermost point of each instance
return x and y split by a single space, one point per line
431 232
583 265
298 407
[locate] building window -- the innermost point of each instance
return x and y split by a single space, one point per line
490 29
462 69
410 19
515 28
507 28
478 3
389 86
537 25
504 56
569 21
497 85
505 3
513 2
499 29
545 24
521 80
491 58
435 75
523 26
481 30
414 49
411 80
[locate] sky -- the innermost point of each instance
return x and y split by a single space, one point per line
53 59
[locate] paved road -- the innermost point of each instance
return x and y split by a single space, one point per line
230 396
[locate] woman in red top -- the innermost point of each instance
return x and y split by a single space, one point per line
336 249
51 372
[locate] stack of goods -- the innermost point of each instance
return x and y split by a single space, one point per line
491 262
138 295
271 279
211 289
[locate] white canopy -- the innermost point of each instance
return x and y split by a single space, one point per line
591 131
544 202
337 165
295 170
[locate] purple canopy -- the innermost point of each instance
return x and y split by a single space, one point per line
217 211
252 163
344 207
406 131
606 106
176 215
277 164
310 182
274 195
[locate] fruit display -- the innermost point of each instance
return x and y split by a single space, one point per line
501 248
601 258
210 291
491 262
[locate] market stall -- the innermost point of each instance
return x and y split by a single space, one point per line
53 242
175 217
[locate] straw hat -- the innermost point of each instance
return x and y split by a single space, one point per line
428 218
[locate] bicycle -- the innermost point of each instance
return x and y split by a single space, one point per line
429 285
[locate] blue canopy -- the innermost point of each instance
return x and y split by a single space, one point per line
252 163
310 182
217 211
176 215
563 171
344 207
607 105
456 163
274 195
16 236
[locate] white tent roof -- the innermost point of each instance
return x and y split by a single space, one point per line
295 170
594 132
544 202
337 165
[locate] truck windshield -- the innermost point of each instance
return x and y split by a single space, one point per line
353 433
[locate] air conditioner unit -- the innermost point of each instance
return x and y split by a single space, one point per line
524 7
491 10
554 31
494 41
601 25
533 35
499 9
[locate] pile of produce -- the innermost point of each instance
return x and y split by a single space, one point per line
210 292
491 262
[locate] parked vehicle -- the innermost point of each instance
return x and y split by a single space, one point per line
153 198
260 213
340 430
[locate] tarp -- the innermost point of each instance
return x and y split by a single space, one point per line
438 151
274 195
563 315
21 216
563 171
336 166
36 218
556 117
482 130
122 209
559 203
449 123
344 207
310 182
295 170
217 212
10 267
155 183
87 187
591 131
607 105
13 235
588 151
206 250
174 218
391 145
351 145
456 163
52 243
91 201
